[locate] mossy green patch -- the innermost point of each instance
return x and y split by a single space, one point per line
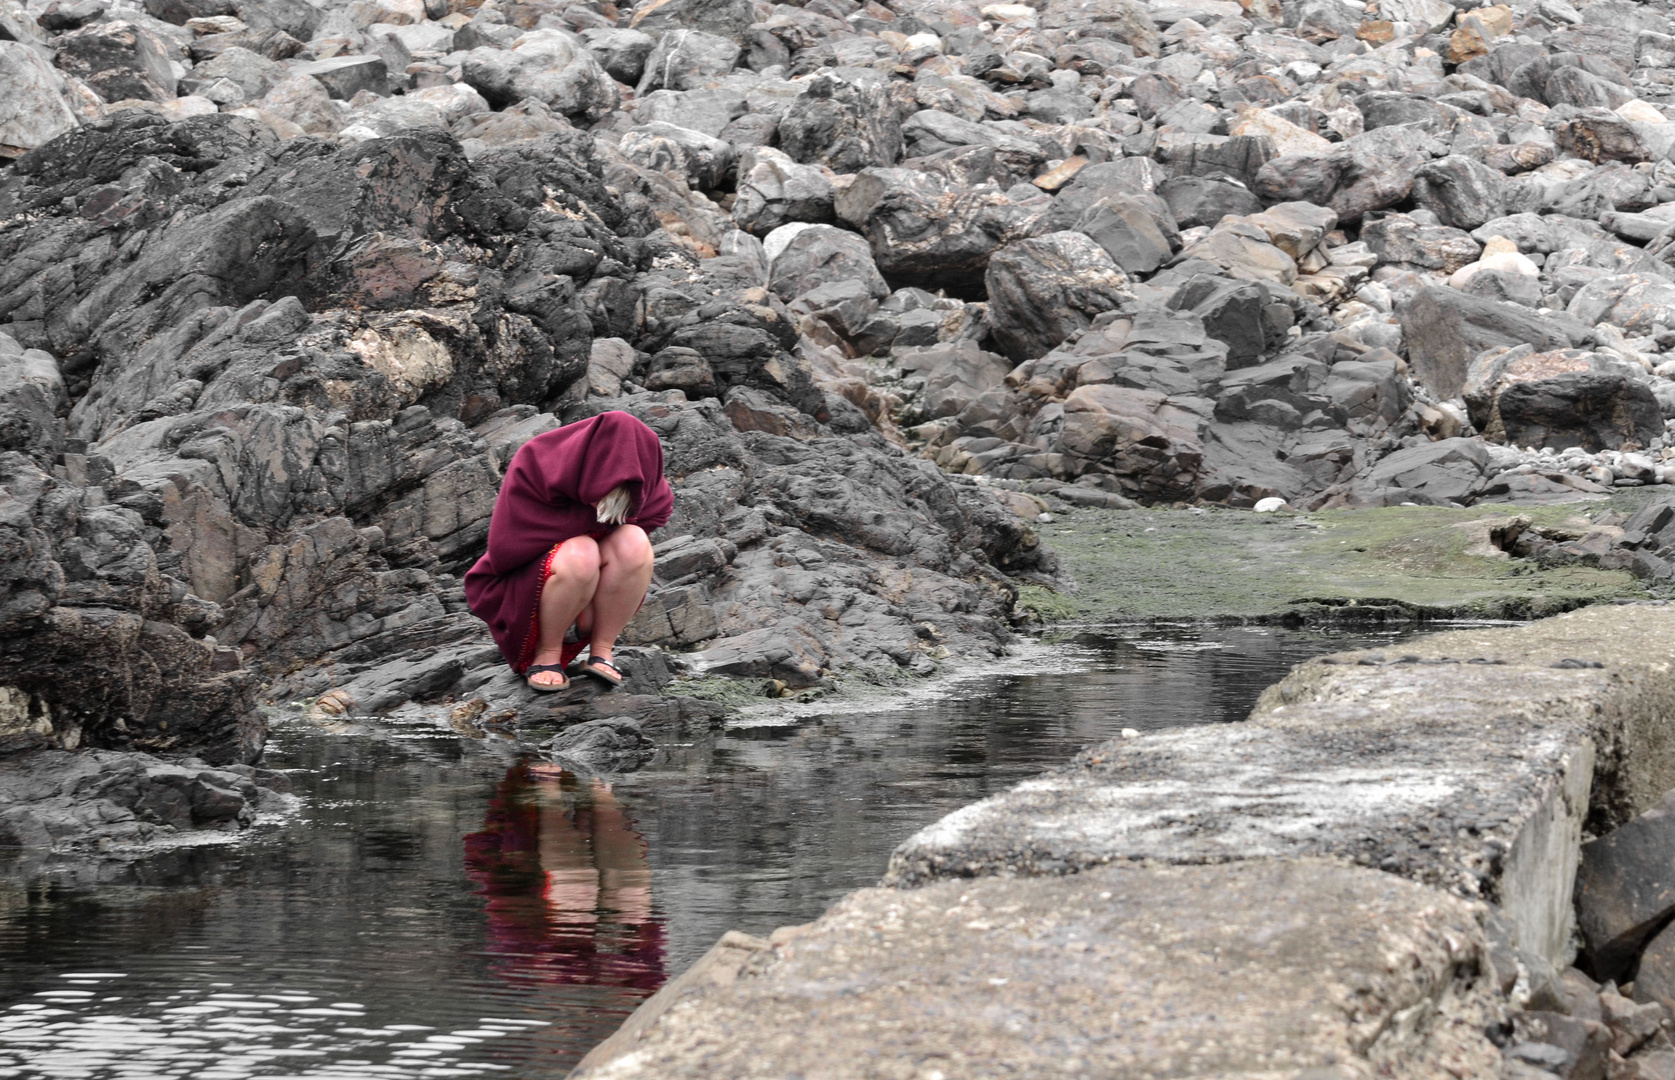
1402 562
732 693
1045 604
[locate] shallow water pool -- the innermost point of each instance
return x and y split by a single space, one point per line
439 910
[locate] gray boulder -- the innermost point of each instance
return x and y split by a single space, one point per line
1150 445
1591 409
729 18
1443 473
253 73
1235 313
957 376
1624 891
819 255
35 111
621 52
1370 390
1445 329
1205 200
773 190
1406 242
925 231
549 66
119 60
686 60
345 76
842 125
1463 192
706 162
1044 289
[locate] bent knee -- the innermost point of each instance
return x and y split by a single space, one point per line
631 545
576 560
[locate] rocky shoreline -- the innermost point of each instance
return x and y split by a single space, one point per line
283 285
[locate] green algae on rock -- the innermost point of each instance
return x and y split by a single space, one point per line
1401 562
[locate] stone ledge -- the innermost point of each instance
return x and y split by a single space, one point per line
1252 970
1471 777
1186 904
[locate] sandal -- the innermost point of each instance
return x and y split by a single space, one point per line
542 669
603 670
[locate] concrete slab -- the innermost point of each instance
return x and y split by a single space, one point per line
1464 762
1260 969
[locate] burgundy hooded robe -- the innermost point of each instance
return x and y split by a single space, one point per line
547 498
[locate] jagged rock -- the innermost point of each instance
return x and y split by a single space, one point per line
773 190
1400 239
1242 250
252 73
1042 290
683 369
925 231
1235 313
1368 389
305 102
1136 229
51 800
1443 473
119 60
546 65
1622 890
957 374
820 254
841 125
1445 329
1592 409
35 112
724 17
1201 200
620 51
617 744
345 76
1463 192
704 161
685 60
1151 446
1295 228
1636 303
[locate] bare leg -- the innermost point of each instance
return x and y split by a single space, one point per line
569 589
624 572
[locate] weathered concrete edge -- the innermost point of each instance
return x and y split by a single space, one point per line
1614 755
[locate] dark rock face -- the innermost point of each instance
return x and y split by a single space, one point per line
844 126
1592 410
119 61
1624 890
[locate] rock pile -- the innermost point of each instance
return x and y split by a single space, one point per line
1570 1024
1163 249
258 393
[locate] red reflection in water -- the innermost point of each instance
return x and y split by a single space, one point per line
568 886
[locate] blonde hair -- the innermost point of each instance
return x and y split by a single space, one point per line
613 508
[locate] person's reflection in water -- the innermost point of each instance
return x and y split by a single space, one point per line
567 883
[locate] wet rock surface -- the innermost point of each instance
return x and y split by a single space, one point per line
102 800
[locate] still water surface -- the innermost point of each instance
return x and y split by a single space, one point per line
437 910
